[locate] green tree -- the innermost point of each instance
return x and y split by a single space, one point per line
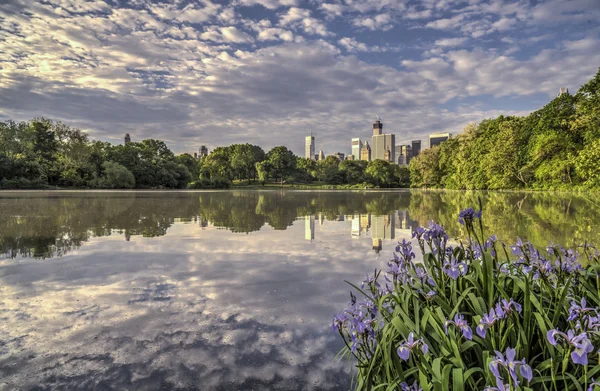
282 163
353 171
381 173
117 177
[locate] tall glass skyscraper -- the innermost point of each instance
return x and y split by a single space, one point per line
356 148
382 145
438 138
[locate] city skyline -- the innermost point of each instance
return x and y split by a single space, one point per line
224 71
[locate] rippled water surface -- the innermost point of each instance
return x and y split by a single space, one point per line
229 290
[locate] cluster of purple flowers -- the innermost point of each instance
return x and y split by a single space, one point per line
468 215
511 366
406 348
501 311
532 261
358 322
434 235
405 387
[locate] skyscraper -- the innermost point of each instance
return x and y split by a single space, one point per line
203 151
383 144
356 148
365 152
321 155
416 148
309 147
127 138
438 138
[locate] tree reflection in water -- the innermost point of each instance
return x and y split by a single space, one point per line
44 225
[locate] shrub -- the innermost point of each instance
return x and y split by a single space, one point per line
117 176
471 317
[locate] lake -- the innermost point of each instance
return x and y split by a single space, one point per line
223 290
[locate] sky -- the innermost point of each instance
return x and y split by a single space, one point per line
270 72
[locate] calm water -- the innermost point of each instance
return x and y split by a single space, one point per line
214 290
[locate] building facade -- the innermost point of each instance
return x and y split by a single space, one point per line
309 147
356 145
321 155
382 145
438 138
416 147
365 152
127 138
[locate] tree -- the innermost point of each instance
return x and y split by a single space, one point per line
282 162
117 177
381 173
424 169
353 171
190 163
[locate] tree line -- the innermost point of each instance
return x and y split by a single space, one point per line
42 153
555 147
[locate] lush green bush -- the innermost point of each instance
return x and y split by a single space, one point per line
471 317
117 177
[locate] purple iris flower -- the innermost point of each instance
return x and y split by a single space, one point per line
405 387
339 321
511 365
593 384
582 344
468 215
406 348
485 323
577 310
505 307
460 323
370 281
405 249
423 276
455 269
418 233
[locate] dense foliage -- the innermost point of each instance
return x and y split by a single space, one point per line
555 147
41 153
471 317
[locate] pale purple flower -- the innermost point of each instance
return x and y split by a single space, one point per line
577 310
486 322
455 269
510 365
406 348
460 323
405 250
593 384
582 344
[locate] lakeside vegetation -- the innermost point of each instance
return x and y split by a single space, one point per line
471 317
556 147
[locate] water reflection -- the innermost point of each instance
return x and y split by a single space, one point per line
215 290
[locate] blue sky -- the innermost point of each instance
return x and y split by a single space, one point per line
269 72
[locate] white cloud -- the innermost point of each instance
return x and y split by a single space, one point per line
229 34
378 22
270 4
450 42
301 18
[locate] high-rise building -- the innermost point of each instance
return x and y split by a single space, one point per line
356 148
403 154
377 127
416 148
339 155
350 157
196 155
203 151
127 138
438 138
383 145
309 147
321 155
365 152
398 150
563 90
316 156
